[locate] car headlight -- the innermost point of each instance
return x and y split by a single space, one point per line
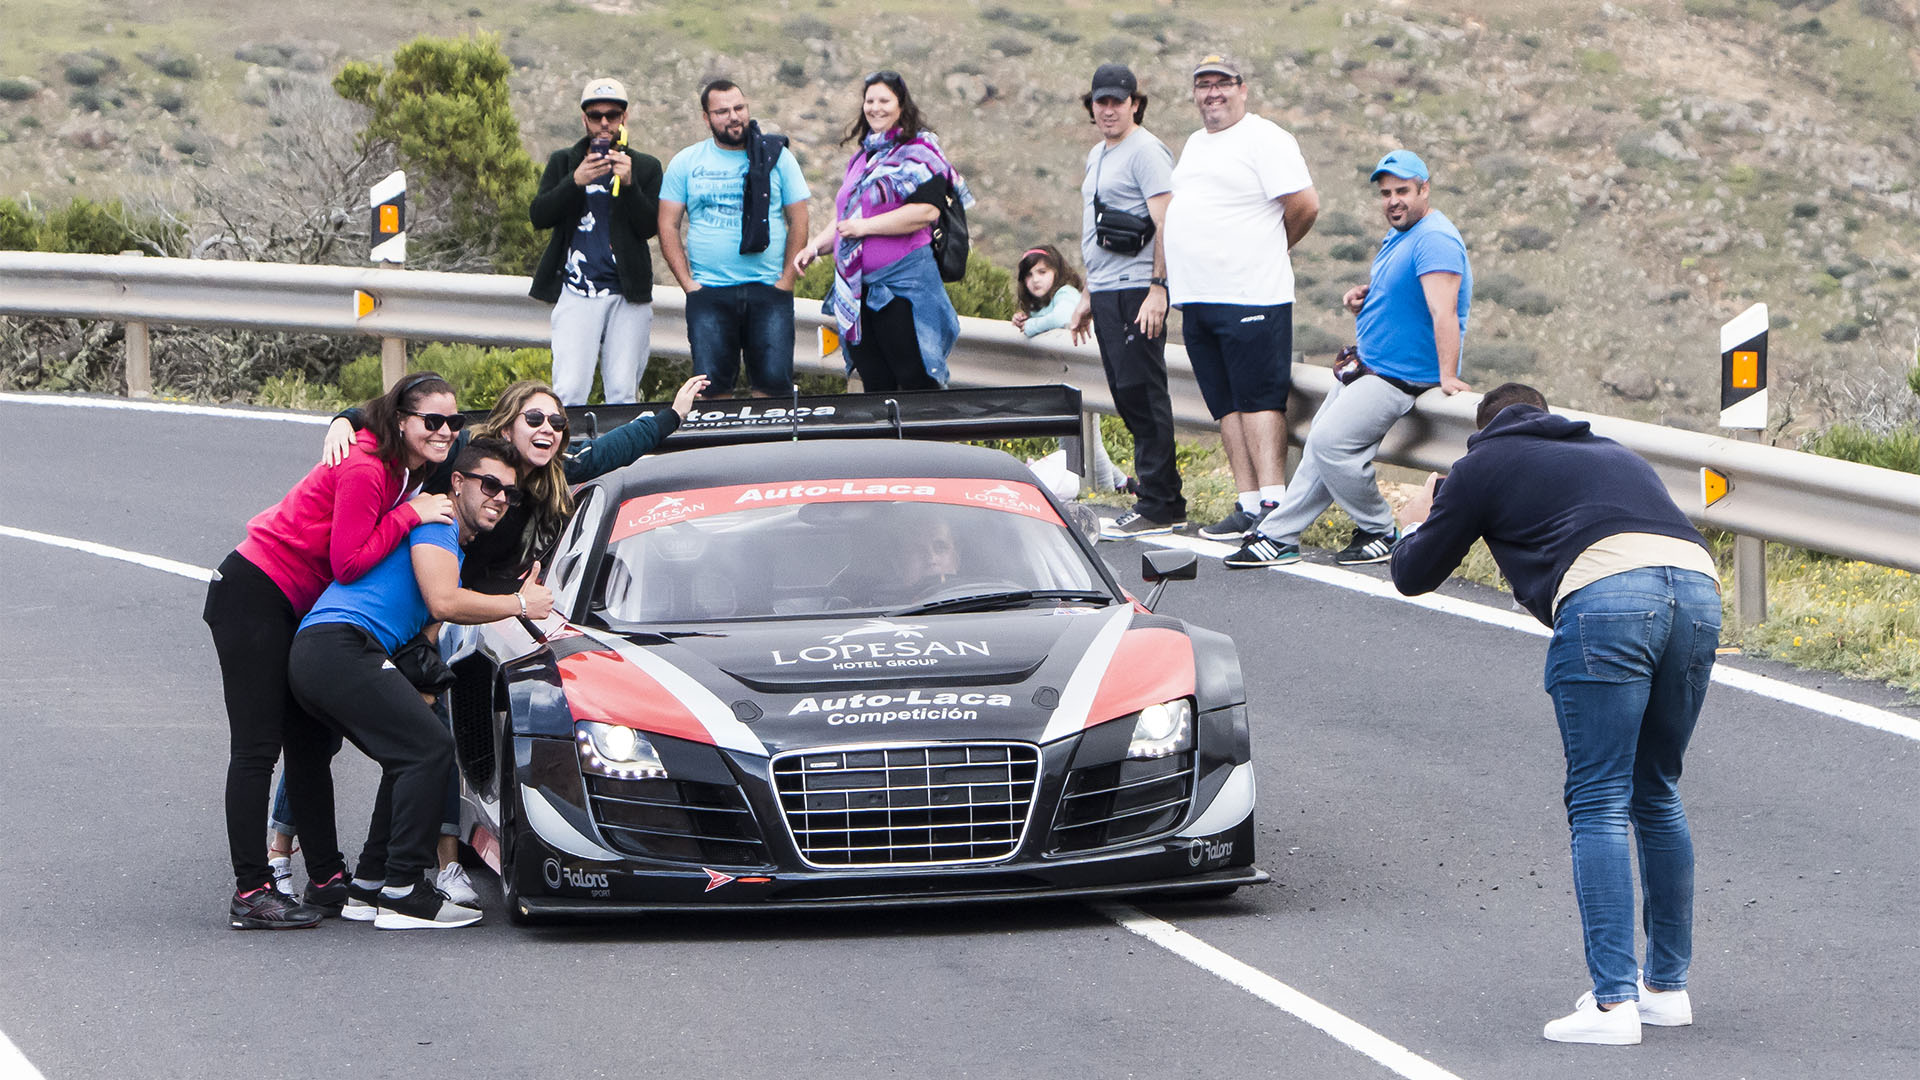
1163 729
616 751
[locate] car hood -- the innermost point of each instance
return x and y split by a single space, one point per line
1029 676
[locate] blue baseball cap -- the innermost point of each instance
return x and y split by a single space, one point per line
1404 164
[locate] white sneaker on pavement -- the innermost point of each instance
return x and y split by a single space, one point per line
1664 1008
1618 1025
453 881
282 867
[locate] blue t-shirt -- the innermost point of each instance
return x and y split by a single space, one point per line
711 182
386 602
590 266
1394 327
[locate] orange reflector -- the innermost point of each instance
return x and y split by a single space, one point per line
753 880
829 341
1746 370
389 218
1713 486
363 303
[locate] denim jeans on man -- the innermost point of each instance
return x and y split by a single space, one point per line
752 321
1627 669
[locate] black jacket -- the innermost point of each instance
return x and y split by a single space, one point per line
636 217
1541 489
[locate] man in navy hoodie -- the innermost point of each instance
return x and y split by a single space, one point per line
1595 548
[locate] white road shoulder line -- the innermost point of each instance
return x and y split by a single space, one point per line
151 562
1352 1033
14 1064
165 407
1817 701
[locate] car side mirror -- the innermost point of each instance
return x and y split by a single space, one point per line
1164 565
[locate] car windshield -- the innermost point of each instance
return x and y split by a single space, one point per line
856 546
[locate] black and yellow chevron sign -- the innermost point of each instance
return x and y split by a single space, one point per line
1743 370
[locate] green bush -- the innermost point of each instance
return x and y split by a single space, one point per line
17 89
1899 450
86 227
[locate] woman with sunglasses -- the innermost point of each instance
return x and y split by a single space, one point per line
335 525
887 298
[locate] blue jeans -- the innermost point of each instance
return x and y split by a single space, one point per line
730 323
1627 670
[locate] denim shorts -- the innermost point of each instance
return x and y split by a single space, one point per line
1242 355
727 324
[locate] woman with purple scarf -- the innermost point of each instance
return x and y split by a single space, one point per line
892 310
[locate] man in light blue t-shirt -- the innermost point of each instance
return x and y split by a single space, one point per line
1411 317
736 259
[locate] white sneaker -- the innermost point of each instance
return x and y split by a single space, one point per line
1587 1023
453 881
282 868
1665 1008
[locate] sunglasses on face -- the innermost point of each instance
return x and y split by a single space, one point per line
492 488
435 421
605 114
555 420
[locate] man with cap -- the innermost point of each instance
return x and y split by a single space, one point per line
1411 317
602 202
1241 199
1124 194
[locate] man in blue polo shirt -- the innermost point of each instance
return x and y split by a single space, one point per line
1411 320
341 670
743 202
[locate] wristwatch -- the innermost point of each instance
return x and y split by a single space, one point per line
1160 281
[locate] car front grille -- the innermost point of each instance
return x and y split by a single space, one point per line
1107 805
676 821
930 805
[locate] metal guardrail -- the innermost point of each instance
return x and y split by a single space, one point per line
1818 503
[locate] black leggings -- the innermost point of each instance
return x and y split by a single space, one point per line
253 625
888 355
342 675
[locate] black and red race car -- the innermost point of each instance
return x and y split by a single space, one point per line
793 671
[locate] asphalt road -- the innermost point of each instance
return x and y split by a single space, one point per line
1409 811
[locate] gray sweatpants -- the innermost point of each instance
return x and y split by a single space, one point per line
1336 464
607 332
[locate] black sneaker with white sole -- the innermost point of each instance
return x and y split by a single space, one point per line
1232 527
267 908
1367 547
362 904
1134 523
330 896
423 908
1258 550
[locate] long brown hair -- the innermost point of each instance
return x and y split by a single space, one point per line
549 500
382 415
1063 275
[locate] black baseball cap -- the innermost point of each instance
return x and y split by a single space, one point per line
1114 81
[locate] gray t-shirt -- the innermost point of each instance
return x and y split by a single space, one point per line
1129 174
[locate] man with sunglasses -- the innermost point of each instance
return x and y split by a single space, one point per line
1241 199
742 200
341 670
602 201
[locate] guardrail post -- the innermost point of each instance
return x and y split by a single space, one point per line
1089 450
139 354
393 361
1749 568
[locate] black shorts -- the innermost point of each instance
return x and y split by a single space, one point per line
1242 355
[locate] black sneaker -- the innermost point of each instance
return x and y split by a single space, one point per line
362 904
1367 547
330 897
423 908
1134 523
266 908
1257 550
1232 527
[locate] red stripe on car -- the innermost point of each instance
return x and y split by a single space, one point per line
601 686
1151 665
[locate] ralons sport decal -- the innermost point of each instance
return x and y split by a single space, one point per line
637 515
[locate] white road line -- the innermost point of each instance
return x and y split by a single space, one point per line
165 407
151 562
1766 686
1352 1033
14 1064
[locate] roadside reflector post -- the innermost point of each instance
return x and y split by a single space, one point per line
139 353
387 246
1743 409
1089 451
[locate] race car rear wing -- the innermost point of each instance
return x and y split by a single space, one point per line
1007 412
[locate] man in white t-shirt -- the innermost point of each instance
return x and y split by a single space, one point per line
1241 199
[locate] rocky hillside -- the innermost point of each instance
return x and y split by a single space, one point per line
1628 175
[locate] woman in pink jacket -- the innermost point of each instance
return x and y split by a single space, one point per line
335 525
